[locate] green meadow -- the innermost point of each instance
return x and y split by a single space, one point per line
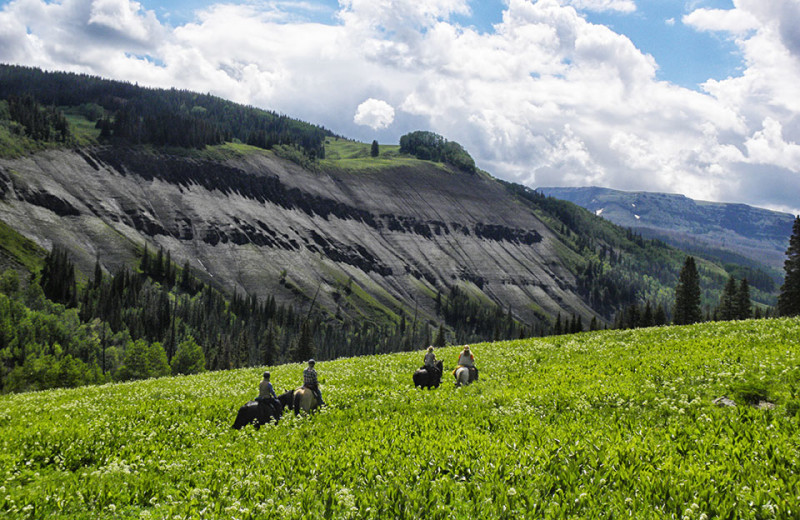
354 157
614 424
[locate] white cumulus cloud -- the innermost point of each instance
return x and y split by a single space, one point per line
731 20
374 113
623 6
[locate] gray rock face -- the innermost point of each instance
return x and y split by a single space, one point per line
373 243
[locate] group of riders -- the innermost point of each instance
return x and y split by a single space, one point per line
310 381
465 359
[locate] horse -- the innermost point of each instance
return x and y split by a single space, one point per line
262 411
304 399
428 378
465 375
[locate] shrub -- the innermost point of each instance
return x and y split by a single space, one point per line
750 391
189 359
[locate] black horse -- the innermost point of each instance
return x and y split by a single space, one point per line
428 378
262 411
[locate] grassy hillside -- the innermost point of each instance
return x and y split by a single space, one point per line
16 250
598 425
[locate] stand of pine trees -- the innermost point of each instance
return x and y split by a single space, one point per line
161 319
136 115
34 120
789 299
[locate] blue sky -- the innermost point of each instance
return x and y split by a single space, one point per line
685 56
686 96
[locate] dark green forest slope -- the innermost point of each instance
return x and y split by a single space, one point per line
36 101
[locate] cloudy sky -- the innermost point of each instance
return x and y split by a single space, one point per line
698 97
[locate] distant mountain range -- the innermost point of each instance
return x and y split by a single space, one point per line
723 231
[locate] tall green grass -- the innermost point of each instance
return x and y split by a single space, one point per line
597 425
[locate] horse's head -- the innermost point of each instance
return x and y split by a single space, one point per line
286 399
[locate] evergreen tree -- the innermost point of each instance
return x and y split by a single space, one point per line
374 150
728 301
305 344
58 278
440 340
187 279
158 266
98 274
743 308
557 327
687 295
269 345
647 316
660 316
789 299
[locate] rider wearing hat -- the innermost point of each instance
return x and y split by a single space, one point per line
265 389
310 381
466 359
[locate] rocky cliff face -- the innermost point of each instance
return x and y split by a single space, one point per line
369 244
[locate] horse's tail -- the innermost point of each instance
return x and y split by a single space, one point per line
297 400
458 373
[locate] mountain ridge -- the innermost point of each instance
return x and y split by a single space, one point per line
759 234
366 238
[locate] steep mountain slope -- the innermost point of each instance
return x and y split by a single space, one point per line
263 225
757 234
106 169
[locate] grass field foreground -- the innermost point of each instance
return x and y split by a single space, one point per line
596 425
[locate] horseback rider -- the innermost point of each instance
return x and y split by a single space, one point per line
430 360
310 381
266 392
466 359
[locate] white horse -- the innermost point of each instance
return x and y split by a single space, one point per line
463 376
